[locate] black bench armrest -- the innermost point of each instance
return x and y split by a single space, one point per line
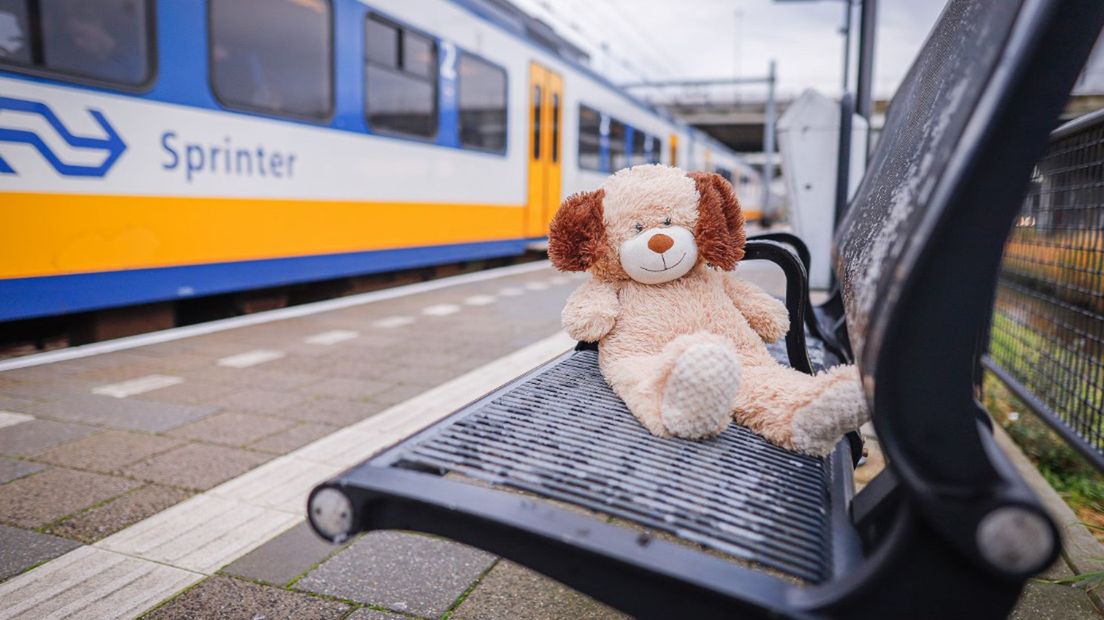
834 312
797 295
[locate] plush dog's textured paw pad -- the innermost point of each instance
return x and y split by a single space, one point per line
697 399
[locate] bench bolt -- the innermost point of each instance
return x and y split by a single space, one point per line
331 512
1015 540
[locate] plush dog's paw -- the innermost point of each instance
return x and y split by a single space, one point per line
840 408
588 328
698 395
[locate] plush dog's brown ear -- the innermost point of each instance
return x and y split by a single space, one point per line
720 231
577 235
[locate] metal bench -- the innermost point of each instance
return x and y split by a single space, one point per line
552 472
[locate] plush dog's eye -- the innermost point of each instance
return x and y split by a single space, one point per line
639 227
667 221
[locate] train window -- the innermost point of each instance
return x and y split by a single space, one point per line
724 172
537 100
482 104
555 127
639 153
419 55
381 42
107 41
590 138
15 32
400 75
652 147
273 55
618 157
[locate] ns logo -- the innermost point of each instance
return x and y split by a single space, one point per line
112 144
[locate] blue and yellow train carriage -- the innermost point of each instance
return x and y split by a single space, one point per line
155 150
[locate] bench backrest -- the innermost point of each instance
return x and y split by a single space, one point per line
919 249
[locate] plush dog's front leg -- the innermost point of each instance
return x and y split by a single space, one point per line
766 315
591 311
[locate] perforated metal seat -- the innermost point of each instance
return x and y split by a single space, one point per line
563 434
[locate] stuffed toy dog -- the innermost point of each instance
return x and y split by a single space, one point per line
680 340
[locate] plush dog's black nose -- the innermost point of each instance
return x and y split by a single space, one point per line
660 243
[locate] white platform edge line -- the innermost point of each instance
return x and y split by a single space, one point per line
177 333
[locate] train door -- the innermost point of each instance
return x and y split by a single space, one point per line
673 145
545 148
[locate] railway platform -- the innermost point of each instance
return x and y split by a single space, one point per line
165 475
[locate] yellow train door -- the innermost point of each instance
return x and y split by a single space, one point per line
673 145
545 148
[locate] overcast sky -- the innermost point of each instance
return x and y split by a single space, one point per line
672 39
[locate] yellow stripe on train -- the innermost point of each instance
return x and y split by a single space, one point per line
54 234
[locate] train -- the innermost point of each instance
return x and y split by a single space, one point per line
161 150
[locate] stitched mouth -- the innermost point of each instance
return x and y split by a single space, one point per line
677 263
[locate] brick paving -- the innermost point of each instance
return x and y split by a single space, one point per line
24 549
88 465
285 558
416 574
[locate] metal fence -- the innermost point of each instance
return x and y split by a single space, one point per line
1047 336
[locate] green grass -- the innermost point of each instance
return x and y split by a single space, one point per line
1077 481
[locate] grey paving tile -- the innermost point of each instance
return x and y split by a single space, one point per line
22 549
191 393
230 599
14 404
419 375
315 363
283 558
108 451
47 496
30 438
196 466
1047 601
295 437
50 390
335 411
45 372
398 394
365 613
510 592
10 469
404 572
359 366
123 372
344 387
270 379
102 521
232 428
261 400
125 413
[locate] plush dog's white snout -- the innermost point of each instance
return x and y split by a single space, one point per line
659 255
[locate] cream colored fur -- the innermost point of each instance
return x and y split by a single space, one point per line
688 355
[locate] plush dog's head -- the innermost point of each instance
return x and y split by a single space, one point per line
650 223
